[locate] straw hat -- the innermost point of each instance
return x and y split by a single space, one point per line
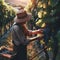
22 16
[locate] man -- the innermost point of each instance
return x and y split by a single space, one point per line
20 33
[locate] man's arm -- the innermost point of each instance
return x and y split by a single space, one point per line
33 39
39 31
31 32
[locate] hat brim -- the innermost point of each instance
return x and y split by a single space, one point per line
27 18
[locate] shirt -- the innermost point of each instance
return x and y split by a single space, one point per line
19 39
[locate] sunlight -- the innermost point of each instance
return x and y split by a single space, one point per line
18 2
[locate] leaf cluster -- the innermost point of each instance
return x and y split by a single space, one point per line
7 13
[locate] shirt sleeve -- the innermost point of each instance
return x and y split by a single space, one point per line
18 36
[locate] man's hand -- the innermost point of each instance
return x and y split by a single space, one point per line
6 55
40 31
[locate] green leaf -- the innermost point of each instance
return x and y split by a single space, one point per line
58 35
54 2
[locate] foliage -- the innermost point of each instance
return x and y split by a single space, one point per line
7 13
46 15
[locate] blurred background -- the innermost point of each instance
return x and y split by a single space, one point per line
45 15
